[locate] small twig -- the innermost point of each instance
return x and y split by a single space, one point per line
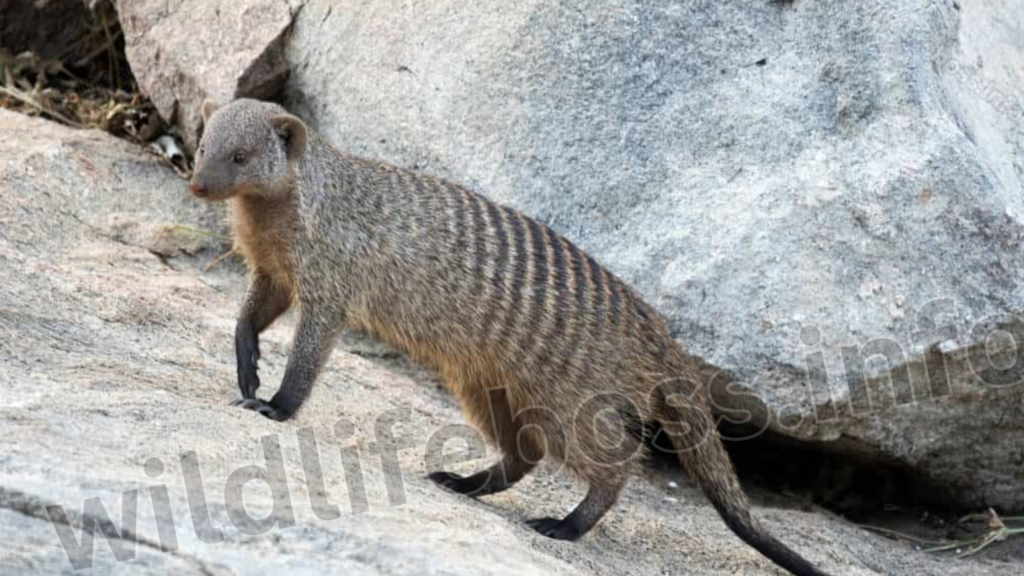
115 66
985 541
898 534
86 36
997 533
216 261
28 101
97 51
951 545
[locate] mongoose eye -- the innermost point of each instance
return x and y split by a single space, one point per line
202 150
240 158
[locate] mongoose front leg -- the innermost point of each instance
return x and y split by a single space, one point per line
264 302
598 500
497 478
314 338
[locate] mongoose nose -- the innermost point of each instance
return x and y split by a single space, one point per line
199 190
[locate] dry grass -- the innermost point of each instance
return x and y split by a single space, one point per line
995 530
96 91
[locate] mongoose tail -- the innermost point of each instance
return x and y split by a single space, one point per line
703 455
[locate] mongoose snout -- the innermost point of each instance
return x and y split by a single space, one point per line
525 329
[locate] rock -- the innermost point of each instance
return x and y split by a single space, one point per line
110 187
50 28
116 369
186 51
785 181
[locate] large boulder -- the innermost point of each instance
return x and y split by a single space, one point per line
116 370
186 51
823 197
67 183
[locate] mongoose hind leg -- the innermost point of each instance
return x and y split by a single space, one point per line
490 411
264 302
498 478
600 498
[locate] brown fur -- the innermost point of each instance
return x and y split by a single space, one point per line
264 231
549 354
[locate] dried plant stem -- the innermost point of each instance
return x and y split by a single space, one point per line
17 95
216 261
998 531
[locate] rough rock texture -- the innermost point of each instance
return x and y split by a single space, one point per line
111 356
782 179
50 28
186 51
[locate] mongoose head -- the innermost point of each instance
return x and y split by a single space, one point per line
248 148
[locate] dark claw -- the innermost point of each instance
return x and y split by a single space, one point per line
250 383
445 479
452 482
262 407
469 486
554 528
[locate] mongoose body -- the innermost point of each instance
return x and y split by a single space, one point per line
549 354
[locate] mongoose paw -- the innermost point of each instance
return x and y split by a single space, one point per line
455 483
555 528
262 407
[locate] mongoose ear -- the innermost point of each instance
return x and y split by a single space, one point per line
293 132
207 110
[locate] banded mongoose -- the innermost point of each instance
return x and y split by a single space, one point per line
530 333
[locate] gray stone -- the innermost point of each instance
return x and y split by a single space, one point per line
186 51
758 170
111 355
104 185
